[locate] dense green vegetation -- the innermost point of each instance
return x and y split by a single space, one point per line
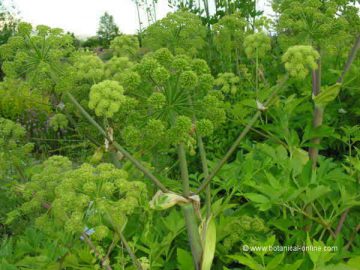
187 146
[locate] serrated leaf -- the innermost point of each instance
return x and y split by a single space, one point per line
315 193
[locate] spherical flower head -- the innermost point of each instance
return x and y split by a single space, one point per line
147 65
125 45
163 56
89 187
204 127
154 130
157 100
180 63
59 121
24 28
183 125
227 82
160 75
188 80
116 65
299 59
257 45
200 67
130 80
89 67
106 98
214 108
10 130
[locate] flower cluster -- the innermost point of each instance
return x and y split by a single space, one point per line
58 121
227 82
326 28
36 54
257 45
181 32
89 68
299 59
125 45
12 136
106 98
99 198
247 229
229 33
177 90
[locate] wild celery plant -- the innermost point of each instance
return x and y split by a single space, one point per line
169 103
326 34
178 96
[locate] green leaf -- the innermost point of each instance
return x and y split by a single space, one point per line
354 262
162 201
314 256
262 201
315 193
184 260
294 266
326 95
317 253
248 261
274 262
208 235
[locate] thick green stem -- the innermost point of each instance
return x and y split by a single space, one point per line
189 212
118 147
193 234
317 116
205 169
184 170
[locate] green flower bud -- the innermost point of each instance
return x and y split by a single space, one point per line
188 80
200 67
132 136
157 100
89 68
160 75
130 80
204 127
299 59
164 57
180 64
257 45
147 66
154 130
58 121
106 98
183 124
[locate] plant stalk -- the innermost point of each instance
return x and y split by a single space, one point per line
131 253
205 169
318 114
189 212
